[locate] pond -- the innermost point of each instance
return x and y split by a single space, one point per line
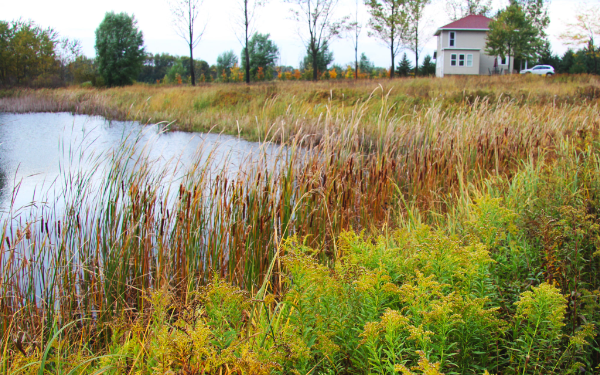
39 151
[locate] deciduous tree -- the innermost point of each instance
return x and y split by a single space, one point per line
225 62
389 23
511 34
119 49
584 31
414 38
245 23
320 26
261 53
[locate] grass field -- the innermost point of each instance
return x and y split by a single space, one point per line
416 226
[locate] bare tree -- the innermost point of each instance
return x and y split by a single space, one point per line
462 8
245 22
185 18
317 15
389 22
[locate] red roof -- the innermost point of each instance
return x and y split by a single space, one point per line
476 22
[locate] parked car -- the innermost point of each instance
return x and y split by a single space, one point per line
543 70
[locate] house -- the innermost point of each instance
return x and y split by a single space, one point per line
461 49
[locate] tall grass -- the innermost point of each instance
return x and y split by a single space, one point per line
294 106
138 232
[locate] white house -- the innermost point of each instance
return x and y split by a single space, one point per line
461 49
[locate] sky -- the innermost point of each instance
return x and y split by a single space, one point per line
76 19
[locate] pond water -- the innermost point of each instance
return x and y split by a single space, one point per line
38 150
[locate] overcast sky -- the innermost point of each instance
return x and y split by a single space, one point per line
78 19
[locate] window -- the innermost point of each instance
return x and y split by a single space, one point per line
461 60
434 55
452 39
503 61
469 60
453 59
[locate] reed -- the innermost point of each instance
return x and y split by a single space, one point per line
249 110
131 229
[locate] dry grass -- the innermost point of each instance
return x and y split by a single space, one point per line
252 110
362 163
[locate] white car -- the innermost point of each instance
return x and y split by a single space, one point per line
543 70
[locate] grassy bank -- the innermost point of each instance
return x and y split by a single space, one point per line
458 237
295 108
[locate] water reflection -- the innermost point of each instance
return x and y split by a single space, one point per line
40 152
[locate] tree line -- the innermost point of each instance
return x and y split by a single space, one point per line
34 56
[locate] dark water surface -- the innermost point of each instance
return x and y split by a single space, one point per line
39 151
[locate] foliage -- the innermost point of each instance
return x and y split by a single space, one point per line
185 20
389 23
365 65
263 54
428 67
324 59
321 28
225 62
512 35
175 70
414 39
404 67
583 32
33 56
477 252
119 49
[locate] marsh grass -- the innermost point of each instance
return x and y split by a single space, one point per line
130 259
296 107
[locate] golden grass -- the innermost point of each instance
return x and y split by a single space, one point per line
251 110
357 161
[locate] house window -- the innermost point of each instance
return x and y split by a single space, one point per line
461 60
503 61
434 55
452 38
469 60
453 59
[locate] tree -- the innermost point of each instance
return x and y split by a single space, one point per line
246 24
365 65
66 52
389 23
324 58
176 70
462 8
225 62
428 67
356 28
185 18
404 67
262 53
317 16
119 49
412 38
584 31
536 12
511 34
567 61
28 54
